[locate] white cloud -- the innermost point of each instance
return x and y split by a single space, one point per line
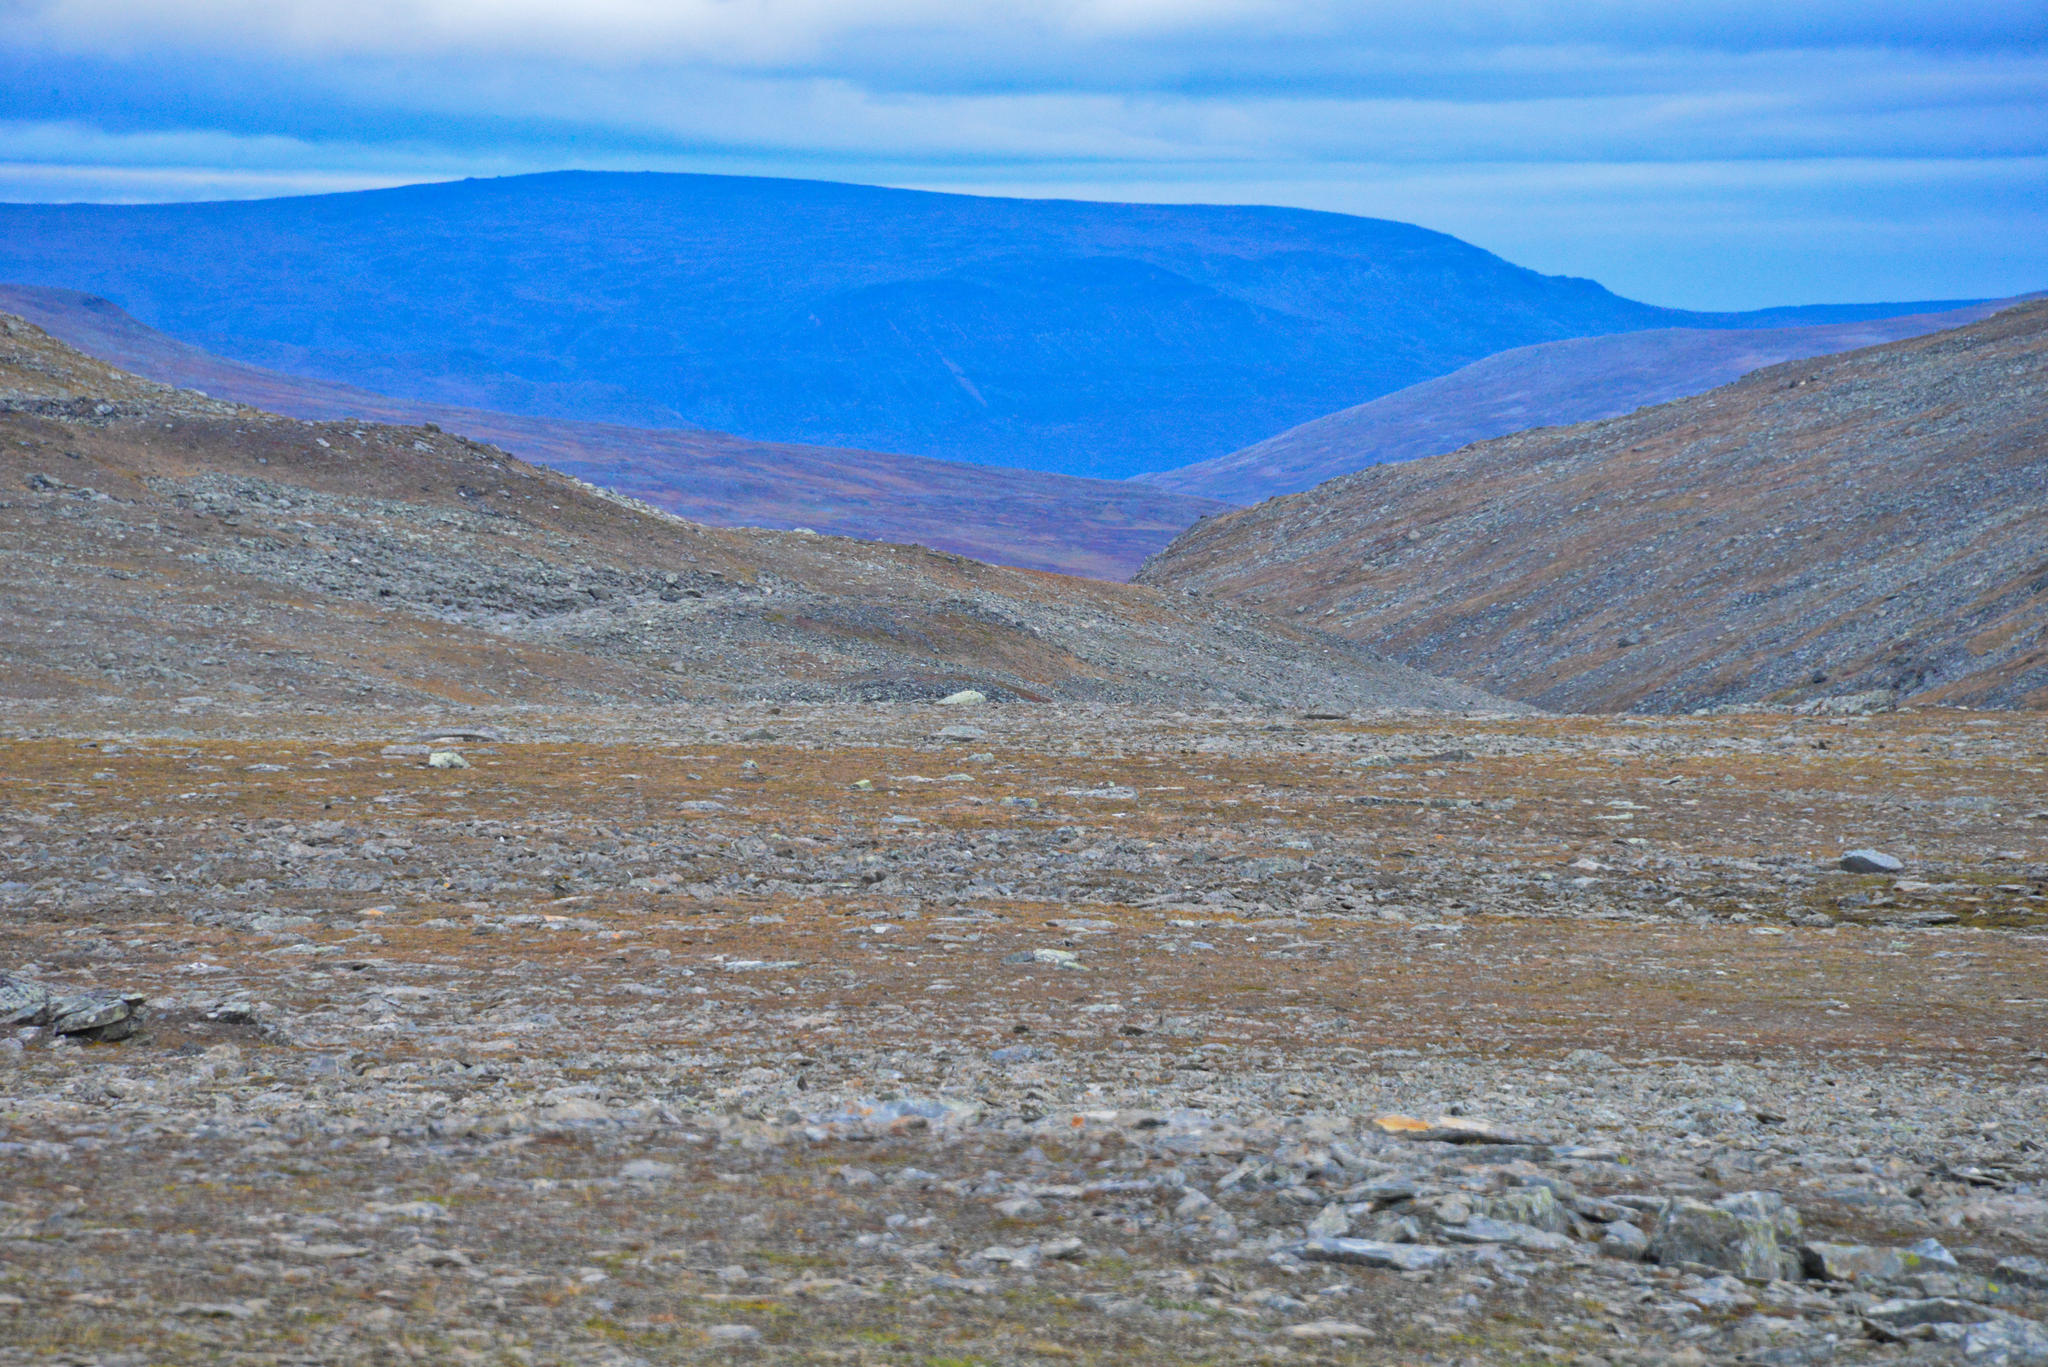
745 33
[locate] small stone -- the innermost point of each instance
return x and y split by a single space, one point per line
221 1310
1069 1248
1870 861
1373 1253
1328 1329
1013 1053
1057 958
474 735
2028 1272
966 697
863 785
962 733
1720 1293
1332 1222
732 1333
648 1170
446 759
1018 1207
1623 1240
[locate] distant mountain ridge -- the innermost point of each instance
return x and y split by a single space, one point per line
1548 385
1100 529
1870 525
1084 338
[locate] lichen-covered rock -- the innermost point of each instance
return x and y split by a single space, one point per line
94 1016
1767 1205
2008 1341
1537 1206
1862 1262
1747 1245
23 1002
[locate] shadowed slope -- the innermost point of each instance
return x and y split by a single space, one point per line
1100 528
1579 380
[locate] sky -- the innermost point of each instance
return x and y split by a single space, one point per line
1710 154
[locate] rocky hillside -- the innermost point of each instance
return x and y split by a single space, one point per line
1581 379
162 546
1874 524
1103 529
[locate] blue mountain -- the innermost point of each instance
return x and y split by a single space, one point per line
1083 338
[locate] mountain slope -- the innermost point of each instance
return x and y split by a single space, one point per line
1876 520
1100 528
159 546
1580 379
1100 339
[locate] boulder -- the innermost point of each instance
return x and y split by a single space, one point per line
1623 1240
80 1015
1870 861
23 1002
1863 1262
1537 1206
1372 1253
2028 1272
1481 1229
2008 1341
1747 1245
1906 1313
95 1016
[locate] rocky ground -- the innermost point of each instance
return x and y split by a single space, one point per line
1016 1033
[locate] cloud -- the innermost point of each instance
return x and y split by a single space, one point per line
1016 35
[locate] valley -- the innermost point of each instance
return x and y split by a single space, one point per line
452 912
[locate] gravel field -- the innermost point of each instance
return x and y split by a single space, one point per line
801 1033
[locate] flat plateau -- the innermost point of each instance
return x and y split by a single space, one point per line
799 1033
